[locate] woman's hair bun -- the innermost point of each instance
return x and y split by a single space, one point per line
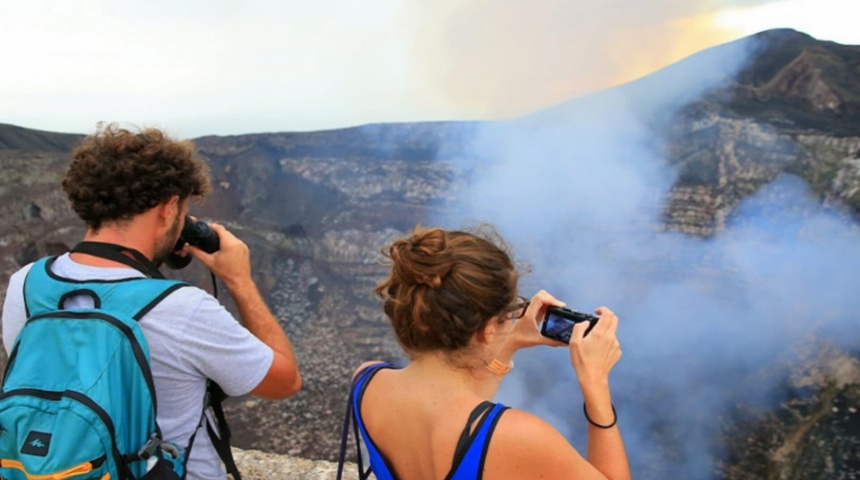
422 259
444 286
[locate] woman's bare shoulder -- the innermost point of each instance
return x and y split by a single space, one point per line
526 446
521 425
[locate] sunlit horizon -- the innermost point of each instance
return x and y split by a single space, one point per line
198 68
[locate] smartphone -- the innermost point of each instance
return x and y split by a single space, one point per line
559 321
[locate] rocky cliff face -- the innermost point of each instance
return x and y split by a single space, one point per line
793 109
317 207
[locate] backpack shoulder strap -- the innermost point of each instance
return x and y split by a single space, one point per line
220 438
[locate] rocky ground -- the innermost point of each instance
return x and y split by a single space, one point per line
257 465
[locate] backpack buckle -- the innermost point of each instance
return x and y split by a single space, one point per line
150 448
171 450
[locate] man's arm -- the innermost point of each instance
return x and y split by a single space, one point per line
232 264
283 378
14 312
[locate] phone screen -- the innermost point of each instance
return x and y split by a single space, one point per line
558 323
557 328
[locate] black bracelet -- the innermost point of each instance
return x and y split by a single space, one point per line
614 420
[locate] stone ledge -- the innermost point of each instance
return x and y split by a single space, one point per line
257 465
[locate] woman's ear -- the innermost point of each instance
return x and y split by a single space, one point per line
485 335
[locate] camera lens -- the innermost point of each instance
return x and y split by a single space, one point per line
200 235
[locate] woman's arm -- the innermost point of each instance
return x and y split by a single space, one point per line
524 446
592 358
605 446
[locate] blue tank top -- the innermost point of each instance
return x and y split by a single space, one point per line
471 451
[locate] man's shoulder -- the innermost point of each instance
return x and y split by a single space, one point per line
190 295
15 285
191 305
186 300
19 276
64 267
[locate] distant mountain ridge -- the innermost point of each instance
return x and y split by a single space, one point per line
798 74
24 139
805 92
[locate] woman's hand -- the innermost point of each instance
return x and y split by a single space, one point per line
526 330
593 356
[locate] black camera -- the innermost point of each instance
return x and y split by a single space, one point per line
559 321
198 234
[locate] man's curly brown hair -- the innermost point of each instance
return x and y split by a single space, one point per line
116 174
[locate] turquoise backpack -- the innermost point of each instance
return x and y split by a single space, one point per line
78 399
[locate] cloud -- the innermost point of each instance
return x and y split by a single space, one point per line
223 67
505 58
823 19
262 66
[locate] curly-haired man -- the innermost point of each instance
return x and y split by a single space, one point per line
132 189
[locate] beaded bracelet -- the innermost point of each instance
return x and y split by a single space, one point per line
614 419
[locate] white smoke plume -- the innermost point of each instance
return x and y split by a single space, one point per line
579 190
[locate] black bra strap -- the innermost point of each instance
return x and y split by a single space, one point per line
114 252
468 435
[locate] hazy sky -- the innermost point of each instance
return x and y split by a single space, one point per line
198 67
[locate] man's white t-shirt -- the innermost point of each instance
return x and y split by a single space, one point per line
191 337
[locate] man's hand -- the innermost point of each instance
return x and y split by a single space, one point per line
232 263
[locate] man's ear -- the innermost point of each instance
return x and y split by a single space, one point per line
168 209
